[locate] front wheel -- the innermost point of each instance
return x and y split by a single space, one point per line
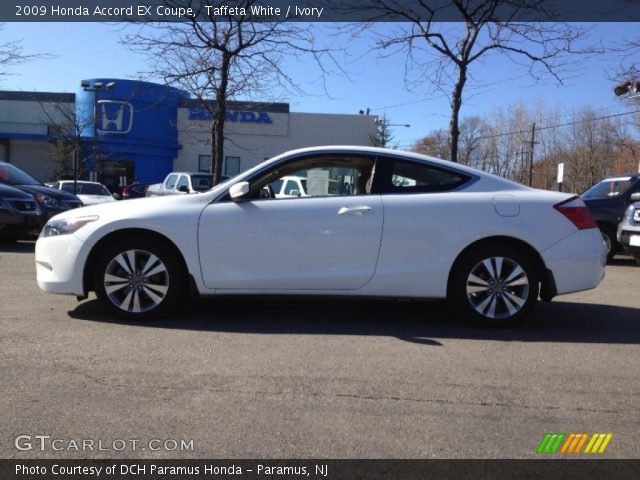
495 286
139 278
610 241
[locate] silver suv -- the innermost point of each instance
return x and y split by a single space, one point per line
629 228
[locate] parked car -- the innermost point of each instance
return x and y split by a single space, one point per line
295 186
20 216
50 201
607 201
490 245
135 190
177 183
90 193
629 229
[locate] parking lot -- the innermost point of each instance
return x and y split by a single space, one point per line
314 378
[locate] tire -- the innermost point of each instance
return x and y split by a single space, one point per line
610 240
494 286
149 290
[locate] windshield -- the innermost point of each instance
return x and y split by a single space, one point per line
14 176
609 187
86 188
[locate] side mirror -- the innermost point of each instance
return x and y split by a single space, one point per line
183 189
635 197
294 193
238 190
116 195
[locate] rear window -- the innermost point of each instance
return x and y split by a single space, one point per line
202 183
609 187
413 177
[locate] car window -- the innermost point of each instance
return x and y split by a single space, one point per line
170 183
414 177
14 176
183 182
609 187
85 188
202 183
291 186
316 177
276 186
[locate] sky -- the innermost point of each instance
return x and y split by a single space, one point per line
94 50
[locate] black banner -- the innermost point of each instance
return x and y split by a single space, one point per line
313 10
317 469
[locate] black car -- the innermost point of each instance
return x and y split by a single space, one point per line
607 202
20 215
50 201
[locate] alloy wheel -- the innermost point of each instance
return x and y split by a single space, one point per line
136 281
497 287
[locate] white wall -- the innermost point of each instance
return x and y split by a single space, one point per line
34 158
255 142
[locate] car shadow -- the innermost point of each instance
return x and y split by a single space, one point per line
622 261
412 321
21 246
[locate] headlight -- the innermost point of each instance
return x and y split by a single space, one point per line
48 201
67 226
628 214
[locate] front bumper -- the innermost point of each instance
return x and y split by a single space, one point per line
625 235
577 262
18 226
60 264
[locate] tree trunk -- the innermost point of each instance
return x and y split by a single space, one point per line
456 103
217 138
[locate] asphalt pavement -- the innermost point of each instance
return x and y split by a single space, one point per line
313 378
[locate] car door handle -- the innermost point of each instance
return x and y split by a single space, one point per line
359 210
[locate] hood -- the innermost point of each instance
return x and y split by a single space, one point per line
52 192
8 191
139 208
95 199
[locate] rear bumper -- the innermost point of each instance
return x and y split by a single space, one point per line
577 262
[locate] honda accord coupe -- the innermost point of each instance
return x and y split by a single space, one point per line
405 225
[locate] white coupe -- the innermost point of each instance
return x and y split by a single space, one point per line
405 225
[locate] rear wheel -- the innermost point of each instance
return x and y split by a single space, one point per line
139 278
495 286
610 241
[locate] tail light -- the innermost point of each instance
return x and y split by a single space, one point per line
125 192
576 211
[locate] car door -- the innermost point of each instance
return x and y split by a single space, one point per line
326 242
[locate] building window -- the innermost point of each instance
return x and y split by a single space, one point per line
231 166
204 163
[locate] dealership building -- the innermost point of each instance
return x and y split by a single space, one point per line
130 130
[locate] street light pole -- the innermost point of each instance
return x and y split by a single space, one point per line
95 88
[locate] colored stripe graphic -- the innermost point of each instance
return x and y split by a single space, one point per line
598 442
573 443
551 442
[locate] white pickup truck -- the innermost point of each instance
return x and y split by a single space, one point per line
177 183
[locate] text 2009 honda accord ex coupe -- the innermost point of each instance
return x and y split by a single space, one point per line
400 225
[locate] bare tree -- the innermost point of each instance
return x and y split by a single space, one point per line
12 53
219 58
484 27
384 135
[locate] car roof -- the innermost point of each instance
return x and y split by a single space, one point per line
359 149
79 181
